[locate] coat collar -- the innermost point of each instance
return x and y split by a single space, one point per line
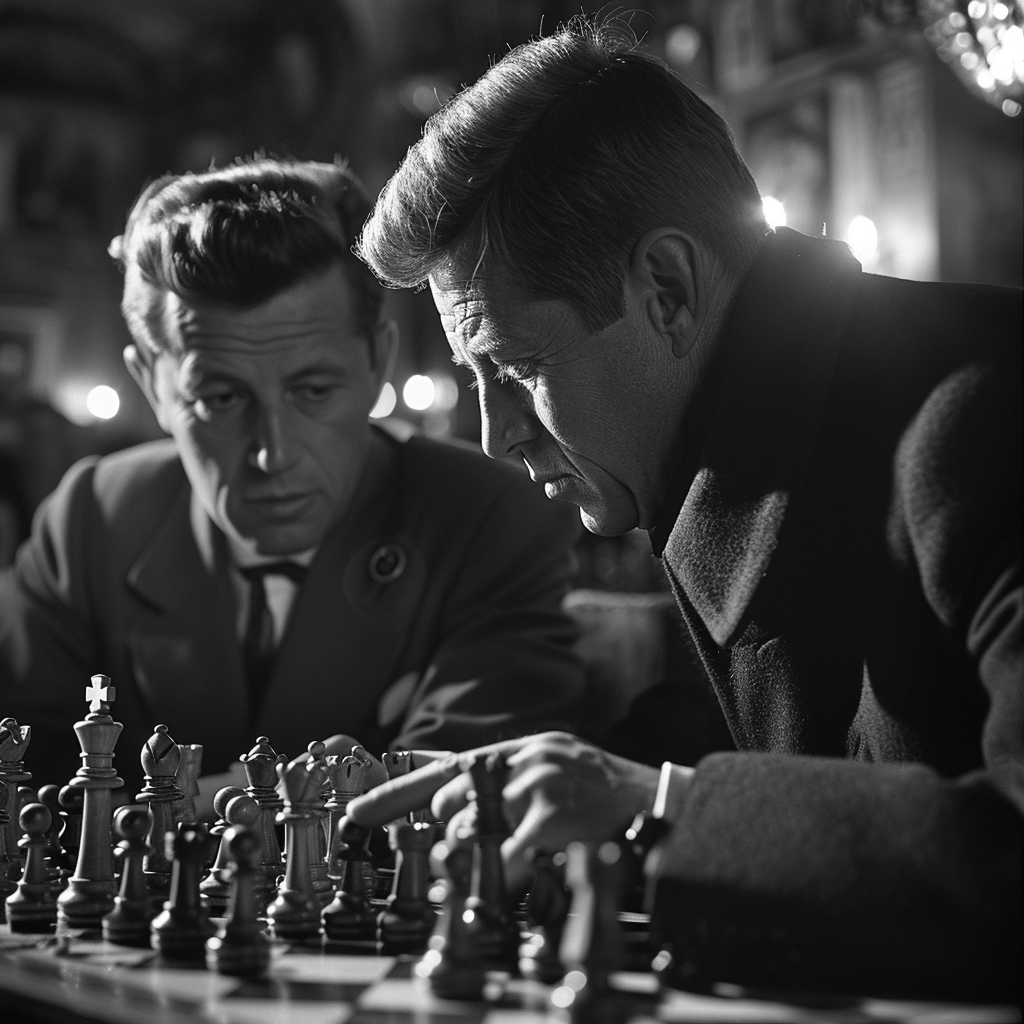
779 345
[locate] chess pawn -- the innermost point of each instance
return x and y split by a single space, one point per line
128 924
241 946
161 758
592 945
406 924
351 917
492 924
187 780
33 908
14 741
180 930
547 907
235 808
295 913
260 766
49 795
91 889
452 964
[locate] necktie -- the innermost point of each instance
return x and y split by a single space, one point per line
258 641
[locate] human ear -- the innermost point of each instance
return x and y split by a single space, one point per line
663 267
141 369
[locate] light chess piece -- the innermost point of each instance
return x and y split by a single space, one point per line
92 888
236 810
295 913
14 741
260 766
161 758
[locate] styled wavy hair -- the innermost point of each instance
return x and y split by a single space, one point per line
238 236
552 166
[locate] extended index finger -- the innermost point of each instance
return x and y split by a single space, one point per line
399 796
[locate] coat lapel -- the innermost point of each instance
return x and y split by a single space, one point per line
182 664
780 345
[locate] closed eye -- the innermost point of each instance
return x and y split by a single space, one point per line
520 371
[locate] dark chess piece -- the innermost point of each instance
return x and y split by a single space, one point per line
91 889
347 776
547 907
50 795
14 741
71 800
260 766
180 930
190 767
592 946
214 888
453 965
407 923
7 886
161 758
241 946
33 908
351 917
128 924
493 924
295 913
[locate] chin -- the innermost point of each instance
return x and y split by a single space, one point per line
603 524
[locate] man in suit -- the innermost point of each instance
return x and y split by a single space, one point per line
829 466
279 566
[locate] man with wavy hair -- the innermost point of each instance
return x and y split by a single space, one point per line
280 566
829 466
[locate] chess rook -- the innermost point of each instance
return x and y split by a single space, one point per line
180 930
190 767
128 924
91 889
14 741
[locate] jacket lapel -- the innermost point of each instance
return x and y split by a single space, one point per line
182 664
780 345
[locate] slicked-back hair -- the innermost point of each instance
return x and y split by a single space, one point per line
238 236
550 168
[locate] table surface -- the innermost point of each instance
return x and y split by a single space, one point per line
77 977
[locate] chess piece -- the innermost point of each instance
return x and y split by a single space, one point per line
453 965
260 766
7 885
592 946
347 776
49 795
547 907
318 838
71 800
493 925
180 930
190 768
14 741
91 889
405 926
241 946
295 913
161 758
351 917
33 908
128 924
245 812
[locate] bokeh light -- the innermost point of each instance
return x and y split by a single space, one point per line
103 402
862 237
774 212
419 392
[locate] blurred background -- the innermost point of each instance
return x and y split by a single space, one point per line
893 124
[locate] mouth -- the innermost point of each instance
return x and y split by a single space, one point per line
279 504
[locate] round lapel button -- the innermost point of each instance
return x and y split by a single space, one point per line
387 563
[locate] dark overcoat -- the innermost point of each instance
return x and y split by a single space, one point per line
848 562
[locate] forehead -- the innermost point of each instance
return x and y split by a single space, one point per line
314 314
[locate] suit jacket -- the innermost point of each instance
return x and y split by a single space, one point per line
124 574
847 560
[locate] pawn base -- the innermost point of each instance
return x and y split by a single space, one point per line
238 959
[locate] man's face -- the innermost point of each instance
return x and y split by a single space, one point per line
268 408
585 412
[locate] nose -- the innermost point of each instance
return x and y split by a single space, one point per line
507 418
273 449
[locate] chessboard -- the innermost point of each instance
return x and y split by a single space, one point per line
79 978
